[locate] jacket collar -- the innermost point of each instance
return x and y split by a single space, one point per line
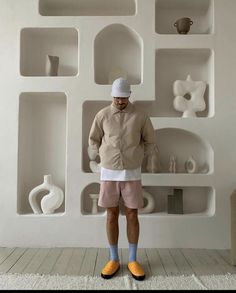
127 109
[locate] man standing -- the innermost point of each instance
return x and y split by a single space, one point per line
122 136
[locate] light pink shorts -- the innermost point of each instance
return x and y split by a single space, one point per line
111 191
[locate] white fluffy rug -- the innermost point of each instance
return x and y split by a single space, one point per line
53 282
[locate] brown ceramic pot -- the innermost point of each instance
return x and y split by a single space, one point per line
183 25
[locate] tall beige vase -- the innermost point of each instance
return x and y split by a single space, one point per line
52 64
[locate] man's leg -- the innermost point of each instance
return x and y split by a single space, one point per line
132 231
112 226
113 231
133 236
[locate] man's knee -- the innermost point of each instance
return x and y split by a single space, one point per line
131 214
112 214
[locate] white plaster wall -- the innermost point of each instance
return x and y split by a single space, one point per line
72 227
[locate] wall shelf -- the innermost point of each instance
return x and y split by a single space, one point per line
183 144
176 64
37 43
86 201
47 119
200 11
42 144
117 50
87 7
197 200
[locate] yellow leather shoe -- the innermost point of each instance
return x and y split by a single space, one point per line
136 270
110 269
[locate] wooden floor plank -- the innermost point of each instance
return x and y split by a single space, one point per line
88 265
191 256
120 272
226 268
181 262
143 260
155 263
225 254
62 262
23 261
168 262
49 261
75 262
90 261
10 261
36 261
5 252
125 259
102 259
210 264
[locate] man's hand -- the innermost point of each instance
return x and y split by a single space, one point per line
92 153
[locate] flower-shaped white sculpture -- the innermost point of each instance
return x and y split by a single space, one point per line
196 90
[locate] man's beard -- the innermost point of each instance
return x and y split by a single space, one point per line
120 107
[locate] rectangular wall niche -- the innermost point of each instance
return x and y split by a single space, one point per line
42 144
177 64
86 7
37 43
197 200
169 11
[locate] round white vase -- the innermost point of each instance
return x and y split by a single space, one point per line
149 207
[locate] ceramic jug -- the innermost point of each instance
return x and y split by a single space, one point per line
183 25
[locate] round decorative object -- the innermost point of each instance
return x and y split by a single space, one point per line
149 207
191 165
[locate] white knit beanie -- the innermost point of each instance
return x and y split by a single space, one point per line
120 88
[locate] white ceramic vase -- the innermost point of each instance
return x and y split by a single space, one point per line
191 165
149 207
51 201
94 198
172 164
52 64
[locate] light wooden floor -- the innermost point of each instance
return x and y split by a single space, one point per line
89 261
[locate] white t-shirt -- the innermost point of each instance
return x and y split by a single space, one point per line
120 175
